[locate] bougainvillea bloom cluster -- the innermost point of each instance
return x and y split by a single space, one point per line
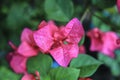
105 42
60 42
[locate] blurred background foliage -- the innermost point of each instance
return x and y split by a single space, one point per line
17 14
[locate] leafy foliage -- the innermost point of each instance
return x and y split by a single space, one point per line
41 63
7 74
86 64
61 73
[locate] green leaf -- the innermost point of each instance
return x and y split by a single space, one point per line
59 10
111 63
82 40
61 73
41 63
6 74
104 3
86 64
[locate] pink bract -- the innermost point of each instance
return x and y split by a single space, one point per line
27 50
27 47
118 5
28 76
104 42
85 79
17 61
64 53
43 36
74 31
82 49
51 39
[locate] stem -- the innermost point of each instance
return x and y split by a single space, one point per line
84 14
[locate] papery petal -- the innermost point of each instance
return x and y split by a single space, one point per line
96 39
82 49
65 53
53 27
118 5
109 43
42 24
18 63
28 77
96 45
43 38
27 35
74 31
27 50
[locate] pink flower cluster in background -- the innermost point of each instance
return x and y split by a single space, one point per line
105 42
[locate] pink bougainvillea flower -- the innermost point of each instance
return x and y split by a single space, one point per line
31 76
17 61
28 77
60 41
104 42
27 47
43 36
82 49
64 53
74 31
85 79
118 5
